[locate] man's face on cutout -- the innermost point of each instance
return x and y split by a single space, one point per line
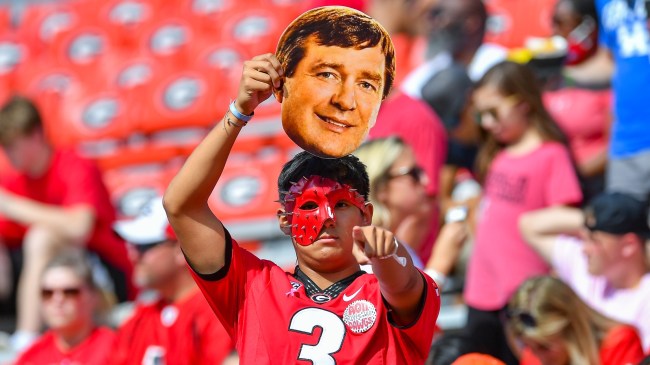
333 98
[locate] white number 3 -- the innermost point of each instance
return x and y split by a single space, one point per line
331 338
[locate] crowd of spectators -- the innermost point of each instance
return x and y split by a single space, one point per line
558 228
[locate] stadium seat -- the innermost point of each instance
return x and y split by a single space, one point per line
126 20
90 52
184 98
511 22
91 114
206 16
13 56
5 18
40 24
244 197
257 29
169 42
132 186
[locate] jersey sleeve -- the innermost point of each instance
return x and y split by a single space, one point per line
419 334
225 290
621 346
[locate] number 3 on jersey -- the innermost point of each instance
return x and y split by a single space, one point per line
331 338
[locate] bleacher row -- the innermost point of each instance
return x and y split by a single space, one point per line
135 84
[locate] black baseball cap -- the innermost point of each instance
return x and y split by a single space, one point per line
617 213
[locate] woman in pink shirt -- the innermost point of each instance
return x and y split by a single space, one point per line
524 164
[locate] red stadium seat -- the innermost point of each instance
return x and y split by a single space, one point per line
5 18
207 16
126 20
244 197
14 55
130 187
41 24
258 29
511 22
90 50
169 42
92 115
185 98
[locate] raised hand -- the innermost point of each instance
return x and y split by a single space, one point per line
260 77
375 243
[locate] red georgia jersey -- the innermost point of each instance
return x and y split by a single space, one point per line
184 332
272 320
94 350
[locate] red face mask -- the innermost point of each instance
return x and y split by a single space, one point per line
322 192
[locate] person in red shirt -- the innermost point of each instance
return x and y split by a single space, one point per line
51 199
557 328
70 300
179 327
327 311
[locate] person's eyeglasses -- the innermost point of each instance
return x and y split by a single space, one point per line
68 293
493 112
523 317
416 172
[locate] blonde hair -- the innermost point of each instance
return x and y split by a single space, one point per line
379 155
555 310
75 260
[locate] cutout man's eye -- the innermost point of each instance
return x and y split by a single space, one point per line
326 75
368 86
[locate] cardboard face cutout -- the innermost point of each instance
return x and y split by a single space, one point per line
339 65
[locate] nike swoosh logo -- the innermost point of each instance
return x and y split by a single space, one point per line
349 298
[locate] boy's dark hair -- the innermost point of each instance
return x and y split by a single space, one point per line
346 170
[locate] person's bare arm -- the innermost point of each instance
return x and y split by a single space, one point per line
540 228
401 284
446 250
415 227
200 233
595 165
74 223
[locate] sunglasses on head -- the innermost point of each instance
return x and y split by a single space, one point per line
416 172
68 293
523 317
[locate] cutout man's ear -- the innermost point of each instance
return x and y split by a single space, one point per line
279 93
